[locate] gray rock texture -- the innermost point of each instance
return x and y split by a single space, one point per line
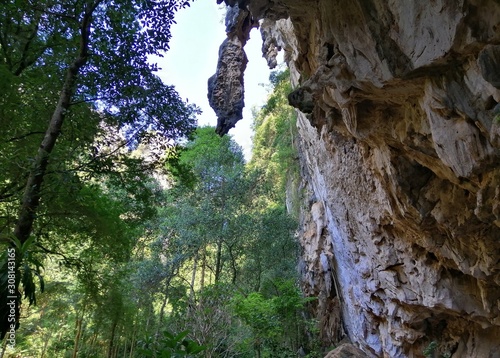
400 152
346 350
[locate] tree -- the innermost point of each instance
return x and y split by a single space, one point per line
70 64
275 318
274 156
207 213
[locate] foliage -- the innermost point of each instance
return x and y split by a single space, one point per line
207 215
429 350
130 255
80 93
274 156
172 346
275 320
212 321
432 349
259 314
269 249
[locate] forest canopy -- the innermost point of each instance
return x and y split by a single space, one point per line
78 91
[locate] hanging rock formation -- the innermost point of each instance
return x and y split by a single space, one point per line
225 87
399 139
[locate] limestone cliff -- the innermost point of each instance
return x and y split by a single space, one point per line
399 132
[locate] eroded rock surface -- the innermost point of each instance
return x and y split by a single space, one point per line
400 151
346 350
226 86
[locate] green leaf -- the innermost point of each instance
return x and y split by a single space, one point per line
27 245
16 242
166 354
193 347
179 337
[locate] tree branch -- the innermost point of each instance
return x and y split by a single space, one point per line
4 47
89 100
24 63
68 260
4 193
23 136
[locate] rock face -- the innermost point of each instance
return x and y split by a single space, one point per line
225 87
346 350
399 131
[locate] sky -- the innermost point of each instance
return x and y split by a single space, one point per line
192 60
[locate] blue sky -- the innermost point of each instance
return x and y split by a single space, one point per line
192 59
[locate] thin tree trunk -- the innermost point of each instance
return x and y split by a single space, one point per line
164 303
132 344
203 268
125 347
218 261
115 351
77 336
193 278
162 310
233 264
148 321
258 350
47 336
92 343
45 345
111 340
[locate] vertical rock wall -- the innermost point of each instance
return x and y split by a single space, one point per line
400 147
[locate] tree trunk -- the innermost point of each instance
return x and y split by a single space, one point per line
32 190
258 349
77 336
164 303
193 279
46 336
162 310
234 268
111 340
203 268
45 344
218 261
132 344
125 341
93 340
31 195
115 351
148 321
